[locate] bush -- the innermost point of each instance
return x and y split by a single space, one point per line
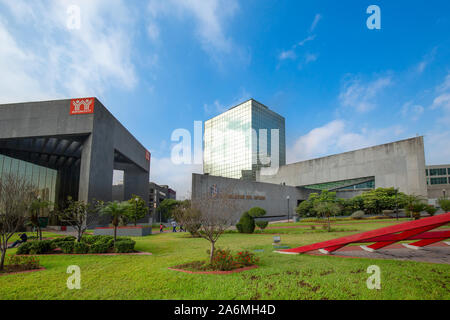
80 248
431 210
246 224
222 260
23 262
99 248
58 242
256 212
357 215
262 224
124 246
246 258
67 246
88 239
444 204
24 248
41 247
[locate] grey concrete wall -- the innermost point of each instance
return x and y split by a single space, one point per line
275 202
400 164
104 135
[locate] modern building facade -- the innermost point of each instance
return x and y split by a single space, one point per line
438 181
238 142
157 194
399 164
70 148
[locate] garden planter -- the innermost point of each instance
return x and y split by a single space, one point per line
127 231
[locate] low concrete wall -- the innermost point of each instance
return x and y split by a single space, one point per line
124 231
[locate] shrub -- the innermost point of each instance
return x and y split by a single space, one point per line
431 210
444 204
94 239
262 224
24 248
23 262
256 212
67 246
99 248
222 260
313 227
246 224
124 246
40 247
246 258
80 248
357 215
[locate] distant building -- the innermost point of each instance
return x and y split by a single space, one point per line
157 194
438 181
231 147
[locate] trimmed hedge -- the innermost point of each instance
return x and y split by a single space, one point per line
124 246
80 248
99 247
246 224
67 247
262 224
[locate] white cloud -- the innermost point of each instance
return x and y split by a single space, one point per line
362 96
210 17
422 65
336 137
307 39
437 147
317 18
51 61
289 54
178 177
412 111
442 100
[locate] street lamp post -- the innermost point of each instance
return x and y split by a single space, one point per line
443 192
288 208
135 208
396 203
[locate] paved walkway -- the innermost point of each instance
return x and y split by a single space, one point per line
435 253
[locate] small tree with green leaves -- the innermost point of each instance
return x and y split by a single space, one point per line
444 204
138 209
80 215
117 211
166 208
38 206
16 197
327 209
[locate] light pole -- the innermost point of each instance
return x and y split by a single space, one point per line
135 209
287 198
443 192
396 204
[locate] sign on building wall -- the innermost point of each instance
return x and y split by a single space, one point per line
147 155
82 106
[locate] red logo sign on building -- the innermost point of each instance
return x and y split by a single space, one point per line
147 155
82 106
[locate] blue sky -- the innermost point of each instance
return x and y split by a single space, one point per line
161 65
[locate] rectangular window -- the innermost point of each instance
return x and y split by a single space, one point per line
443 180
438 172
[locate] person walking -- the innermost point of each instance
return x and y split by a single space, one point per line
174 226
161 228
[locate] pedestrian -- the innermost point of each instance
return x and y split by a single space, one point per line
161 228
23 238
181 228
174 226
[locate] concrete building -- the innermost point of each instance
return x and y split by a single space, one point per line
438 181
157 194
76 143
399 164
278 200
243 139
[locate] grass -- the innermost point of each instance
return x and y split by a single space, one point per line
278 276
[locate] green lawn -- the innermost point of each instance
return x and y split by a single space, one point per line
278 277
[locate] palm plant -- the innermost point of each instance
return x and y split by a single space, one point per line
117 211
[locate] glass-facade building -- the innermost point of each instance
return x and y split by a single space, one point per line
240 141
44 179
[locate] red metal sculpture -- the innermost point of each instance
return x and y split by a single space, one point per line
411 230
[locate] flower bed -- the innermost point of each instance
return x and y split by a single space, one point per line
223 262
19 264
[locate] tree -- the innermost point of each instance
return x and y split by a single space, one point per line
256 212
16 197
187 216
138 209
117 211
80 215
36 209
327 209
413 205
166 207
216 212
444 204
